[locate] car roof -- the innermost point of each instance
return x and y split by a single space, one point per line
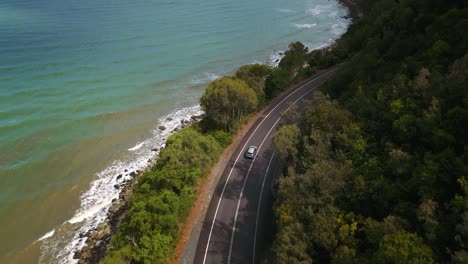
251 149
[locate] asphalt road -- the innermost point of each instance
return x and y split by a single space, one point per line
237 225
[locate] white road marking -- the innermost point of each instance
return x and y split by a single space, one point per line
259 205
235 162
250 168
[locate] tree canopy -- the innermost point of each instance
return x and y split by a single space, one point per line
254 75
376 171
227 100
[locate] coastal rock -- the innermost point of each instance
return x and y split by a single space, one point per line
98 239
77 255
99 243
119 176
102 231
115 208
175 129
155 149
169 119
162 128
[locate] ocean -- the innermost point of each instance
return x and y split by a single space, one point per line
84 86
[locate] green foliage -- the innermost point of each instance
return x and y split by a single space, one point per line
322 58
162 200
403 247
293 247
227 100
121 256
294 58
379 172
222 137
254 75
296 65
285 142
351 142
276 82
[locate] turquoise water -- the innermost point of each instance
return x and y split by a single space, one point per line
82 83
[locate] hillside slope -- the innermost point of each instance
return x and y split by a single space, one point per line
376 168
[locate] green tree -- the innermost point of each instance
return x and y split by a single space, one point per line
228 100
427 216
291 246
403 247
276 82
285 142
293 61
255 75
294 58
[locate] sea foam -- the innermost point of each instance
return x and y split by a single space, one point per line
275 58
205 78
137 146
284 10
47 235
315 10
305 26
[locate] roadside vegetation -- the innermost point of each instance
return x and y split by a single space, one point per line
162 199
376 169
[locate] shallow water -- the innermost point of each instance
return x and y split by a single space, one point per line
85 84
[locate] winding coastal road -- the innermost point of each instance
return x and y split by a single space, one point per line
237 225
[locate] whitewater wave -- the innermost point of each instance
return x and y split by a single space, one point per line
275 58
137 146
205 78
316 10
47 235
333 14
305 26
284 10
339 28
212 76
60 244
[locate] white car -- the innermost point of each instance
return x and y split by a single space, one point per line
250 153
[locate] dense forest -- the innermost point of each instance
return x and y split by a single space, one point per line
376 169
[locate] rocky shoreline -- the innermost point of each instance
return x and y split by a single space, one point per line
354 8
98 239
